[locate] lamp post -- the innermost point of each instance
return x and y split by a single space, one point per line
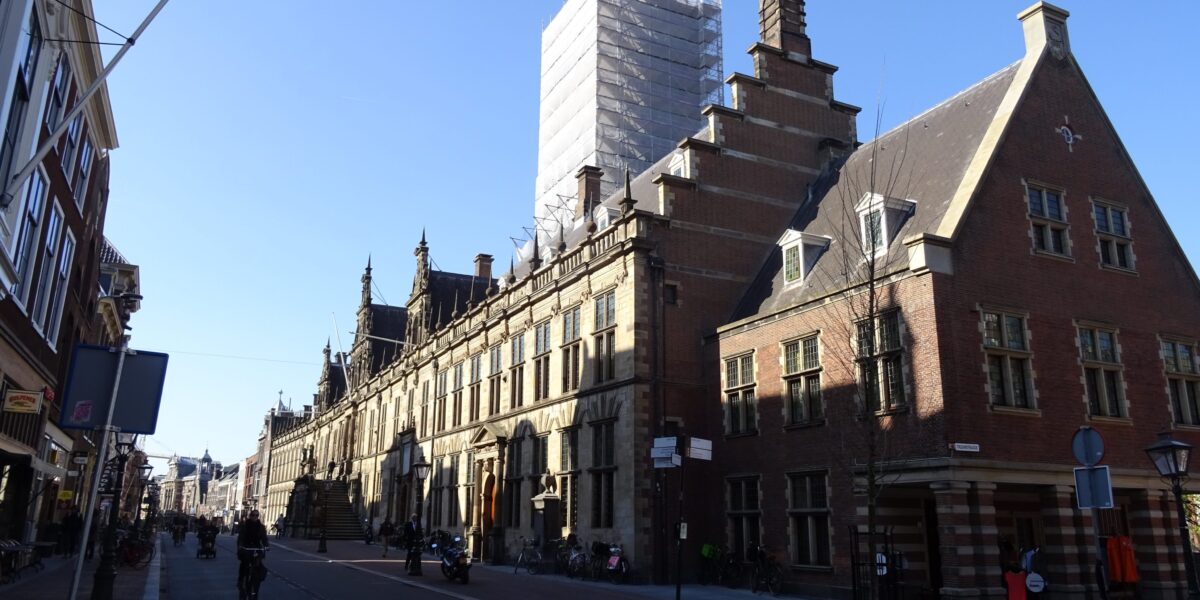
1170 458
106 571
143 478
420 470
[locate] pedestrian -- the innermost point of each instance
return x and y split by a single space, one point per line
412 541
72 525
329 471
386 530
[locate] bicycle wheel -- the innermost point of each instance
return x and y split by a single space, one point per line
533 566
773 579
517 563
142 557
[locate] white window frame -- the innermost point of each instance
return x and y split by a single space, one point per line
62 280
55 225
33 213
807 250
800 378
83 174
743 390
893 213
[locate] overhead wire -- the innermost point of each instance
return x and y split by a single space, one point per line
254 358
80 13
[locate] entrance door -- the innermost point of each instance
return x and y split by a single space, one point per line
933 547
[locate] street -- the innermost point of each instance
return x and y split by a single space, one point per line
354 569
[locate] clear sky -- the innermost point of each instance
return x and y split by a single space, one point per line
268 147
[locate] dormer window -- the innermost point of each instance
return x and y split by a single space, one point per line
880 219
678 165
800 253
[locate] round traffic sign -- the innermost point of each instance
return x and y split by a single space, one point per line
1035 583
1087 446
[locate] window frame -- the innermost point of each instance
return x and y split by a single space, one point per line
739 398
1184 411
603 473
1045 223
796 511
798 379
1100 407
873 362
1116 244
741 514
1011 359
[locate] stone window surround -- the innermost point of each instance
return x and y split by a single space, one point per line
1028 354
1048 222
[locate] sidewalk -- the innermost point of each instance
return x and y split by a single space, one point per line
54 581
493 581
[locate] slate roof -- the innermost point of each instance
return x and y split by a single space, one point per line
110 255
922 160
450 294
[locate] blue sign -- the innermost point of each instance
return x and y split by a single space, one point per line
1093 487
90 386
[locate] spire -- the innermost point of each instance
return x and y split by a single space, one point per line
512 272
326 351
782 25
535 262
366 284
421 277
627 202
562 241
422 237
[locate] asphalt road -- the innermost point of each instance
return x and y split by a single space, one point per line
291 575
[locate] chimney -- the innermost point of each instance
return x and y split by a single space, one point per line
483 266
781 25
1045 27
589 189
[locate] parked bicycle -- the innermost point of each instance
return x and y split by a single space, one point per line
766 574
135 551
530 557
720 566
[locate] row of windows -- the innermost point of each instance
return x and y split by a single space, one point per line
807 511
603 359
1008 360
43 217
1051 230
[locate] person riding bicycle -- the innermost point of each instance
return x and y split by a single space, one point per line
179 526
252 535
413 539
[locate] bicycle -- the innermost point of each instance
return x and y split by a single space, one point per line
719 565
530 557
135 552
767 574
249 583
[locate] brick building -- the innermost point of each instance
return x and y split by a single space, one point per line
51 243
954 300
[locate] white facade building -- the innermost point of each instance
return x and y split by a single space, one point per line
622 83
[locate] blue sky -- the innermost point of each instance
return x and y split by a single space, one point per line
268 147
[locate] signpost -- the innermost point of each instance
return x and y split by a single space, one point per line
1093 489
667 453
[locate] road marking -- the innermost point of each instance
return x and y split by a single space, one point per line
350 565
151 590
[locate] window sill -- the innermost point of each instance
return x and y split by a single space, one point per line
1111 420
730 436
1054 255
1118 269
811 568
804 425
889 412
1186 426
1015 410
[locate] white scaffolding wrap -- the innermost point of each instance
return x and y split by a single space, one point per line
623 82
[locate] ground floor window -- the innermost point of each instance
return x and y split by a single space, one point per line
744 513
602 499
808 511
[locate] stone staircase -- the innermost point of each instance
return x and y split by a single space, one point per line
341 522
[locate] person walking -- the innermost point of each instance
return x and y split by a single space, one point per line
72 525
386 530
412 541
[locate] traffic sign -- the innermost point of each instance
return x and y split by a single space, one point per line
1035 583
700 443
1093 487
1087 446
699 453
661 452
668 463
666 442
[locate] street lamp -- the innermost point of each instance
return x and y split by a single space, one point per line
143 478
1170 458
106 571
420 470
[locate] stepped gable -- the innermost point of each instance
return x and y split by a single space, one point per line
924 160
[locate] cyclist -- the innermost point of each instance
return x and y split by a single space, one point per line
252 535
178 527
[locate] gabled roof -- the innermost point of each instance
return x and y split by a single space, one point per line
924 160
110 255
451 293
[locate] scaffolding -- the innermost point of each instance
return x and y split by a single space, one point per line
622 83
